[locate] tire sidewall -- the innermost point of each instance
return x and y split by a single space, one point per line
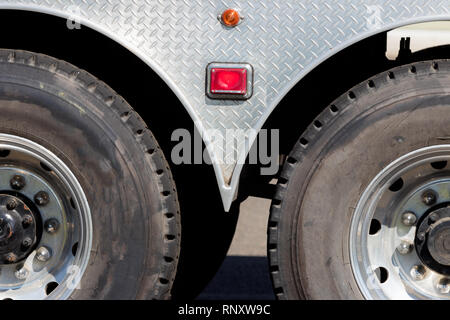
118 177
332 171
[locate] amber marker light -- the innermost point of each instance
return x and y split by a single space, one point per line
230 18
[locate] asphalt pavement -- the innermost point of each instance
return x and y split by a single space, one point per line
244 275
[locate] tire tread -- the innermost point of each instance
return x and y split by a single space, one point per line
155 158
300 151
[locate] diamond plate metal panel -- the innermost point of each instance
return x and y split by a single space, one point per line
282 39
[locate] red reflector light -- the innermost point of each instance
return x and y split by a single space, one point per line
229 81
232 81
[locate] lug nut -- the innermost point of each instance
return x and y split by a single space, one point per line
11 258
17 182
41 198
443 286
11 205
21 274
404 247
26 243
429 197
409 219
43 254
418 272
421 236
27 220
51 225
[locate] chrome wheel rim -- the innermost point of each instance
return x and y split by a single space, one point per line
386 237
55 263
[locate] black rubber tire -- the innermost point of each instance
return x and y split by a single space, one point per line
332 163
116 159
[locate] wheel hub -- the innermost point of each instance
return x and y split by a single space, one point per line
400 233
433 240
45 223
17 229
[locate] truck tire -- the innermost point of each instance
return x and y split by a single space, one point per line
361 207
84 180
